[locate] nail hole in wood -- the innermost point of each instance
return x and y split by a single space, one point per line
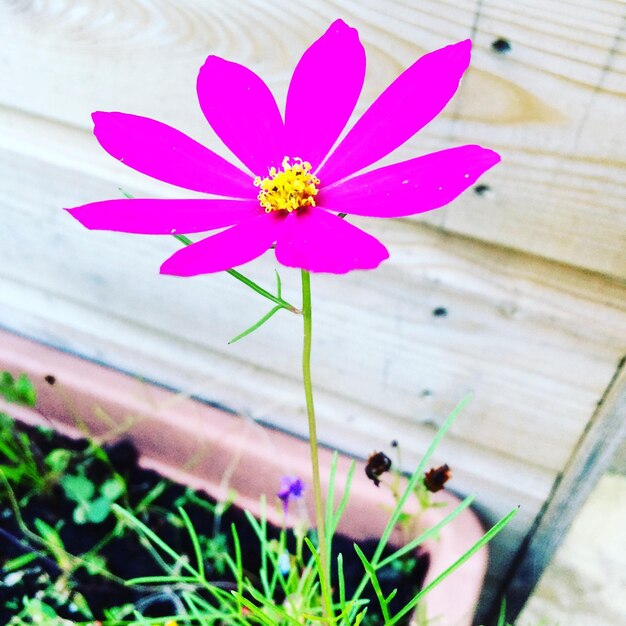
501 45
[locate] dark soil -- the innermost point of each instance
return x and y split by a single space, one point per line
122 554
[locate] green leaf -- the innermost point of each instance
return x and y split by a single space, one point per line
502 615
195 541
405 518
486 538
39 610
48 534
80 514
6 381
20 561
54 544
125 193
373 579
27 394
113 488
81 604
183 239
98 510
58 460
279 285
20 391
258 324
77 487
134 523
95 564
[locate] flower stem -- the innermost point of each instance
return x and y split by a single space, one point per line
250 283
315 465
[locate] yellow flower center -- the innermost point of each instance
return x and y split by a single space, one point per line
288 189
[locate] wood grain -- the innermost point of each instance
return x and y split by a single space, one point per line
597 445
552 105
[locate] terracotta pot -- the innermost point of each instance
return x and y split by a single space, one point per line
211 449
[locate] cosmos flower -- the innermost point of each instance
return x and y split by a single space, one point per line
291 488
294 185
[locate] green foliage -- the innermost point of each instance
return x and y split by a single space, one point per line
54 544
92 506
40 609
17 462
405 564
281 305
20 465
78 488
57 460
36 611
294 575
19 391
215 551
19 562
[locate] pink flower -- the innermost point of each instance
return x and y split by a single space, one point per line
293 190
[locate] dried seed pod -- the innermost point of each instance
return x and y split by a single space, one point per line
435 479
377 464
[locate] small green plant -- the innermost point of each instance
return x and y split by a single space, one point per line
52 540
19 391
429 482
21 464
215 551
36 611
210 586
93 505
293 576
17 462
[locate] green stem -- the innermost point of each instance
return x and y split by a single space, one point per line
250 283
315 464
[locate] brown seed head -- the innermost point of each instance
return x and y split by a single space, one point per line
435 479
377 464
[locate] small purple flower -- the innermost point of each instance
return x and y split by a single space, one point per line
290 487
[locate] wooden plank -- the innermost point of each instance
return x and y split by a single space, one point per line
562 145
415 250
601 439
499 297
550 105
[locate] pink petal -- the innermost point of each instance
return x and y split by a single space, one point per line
164 217
422 184
166 154
232 247
407 105
242 111
323 92
319 241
